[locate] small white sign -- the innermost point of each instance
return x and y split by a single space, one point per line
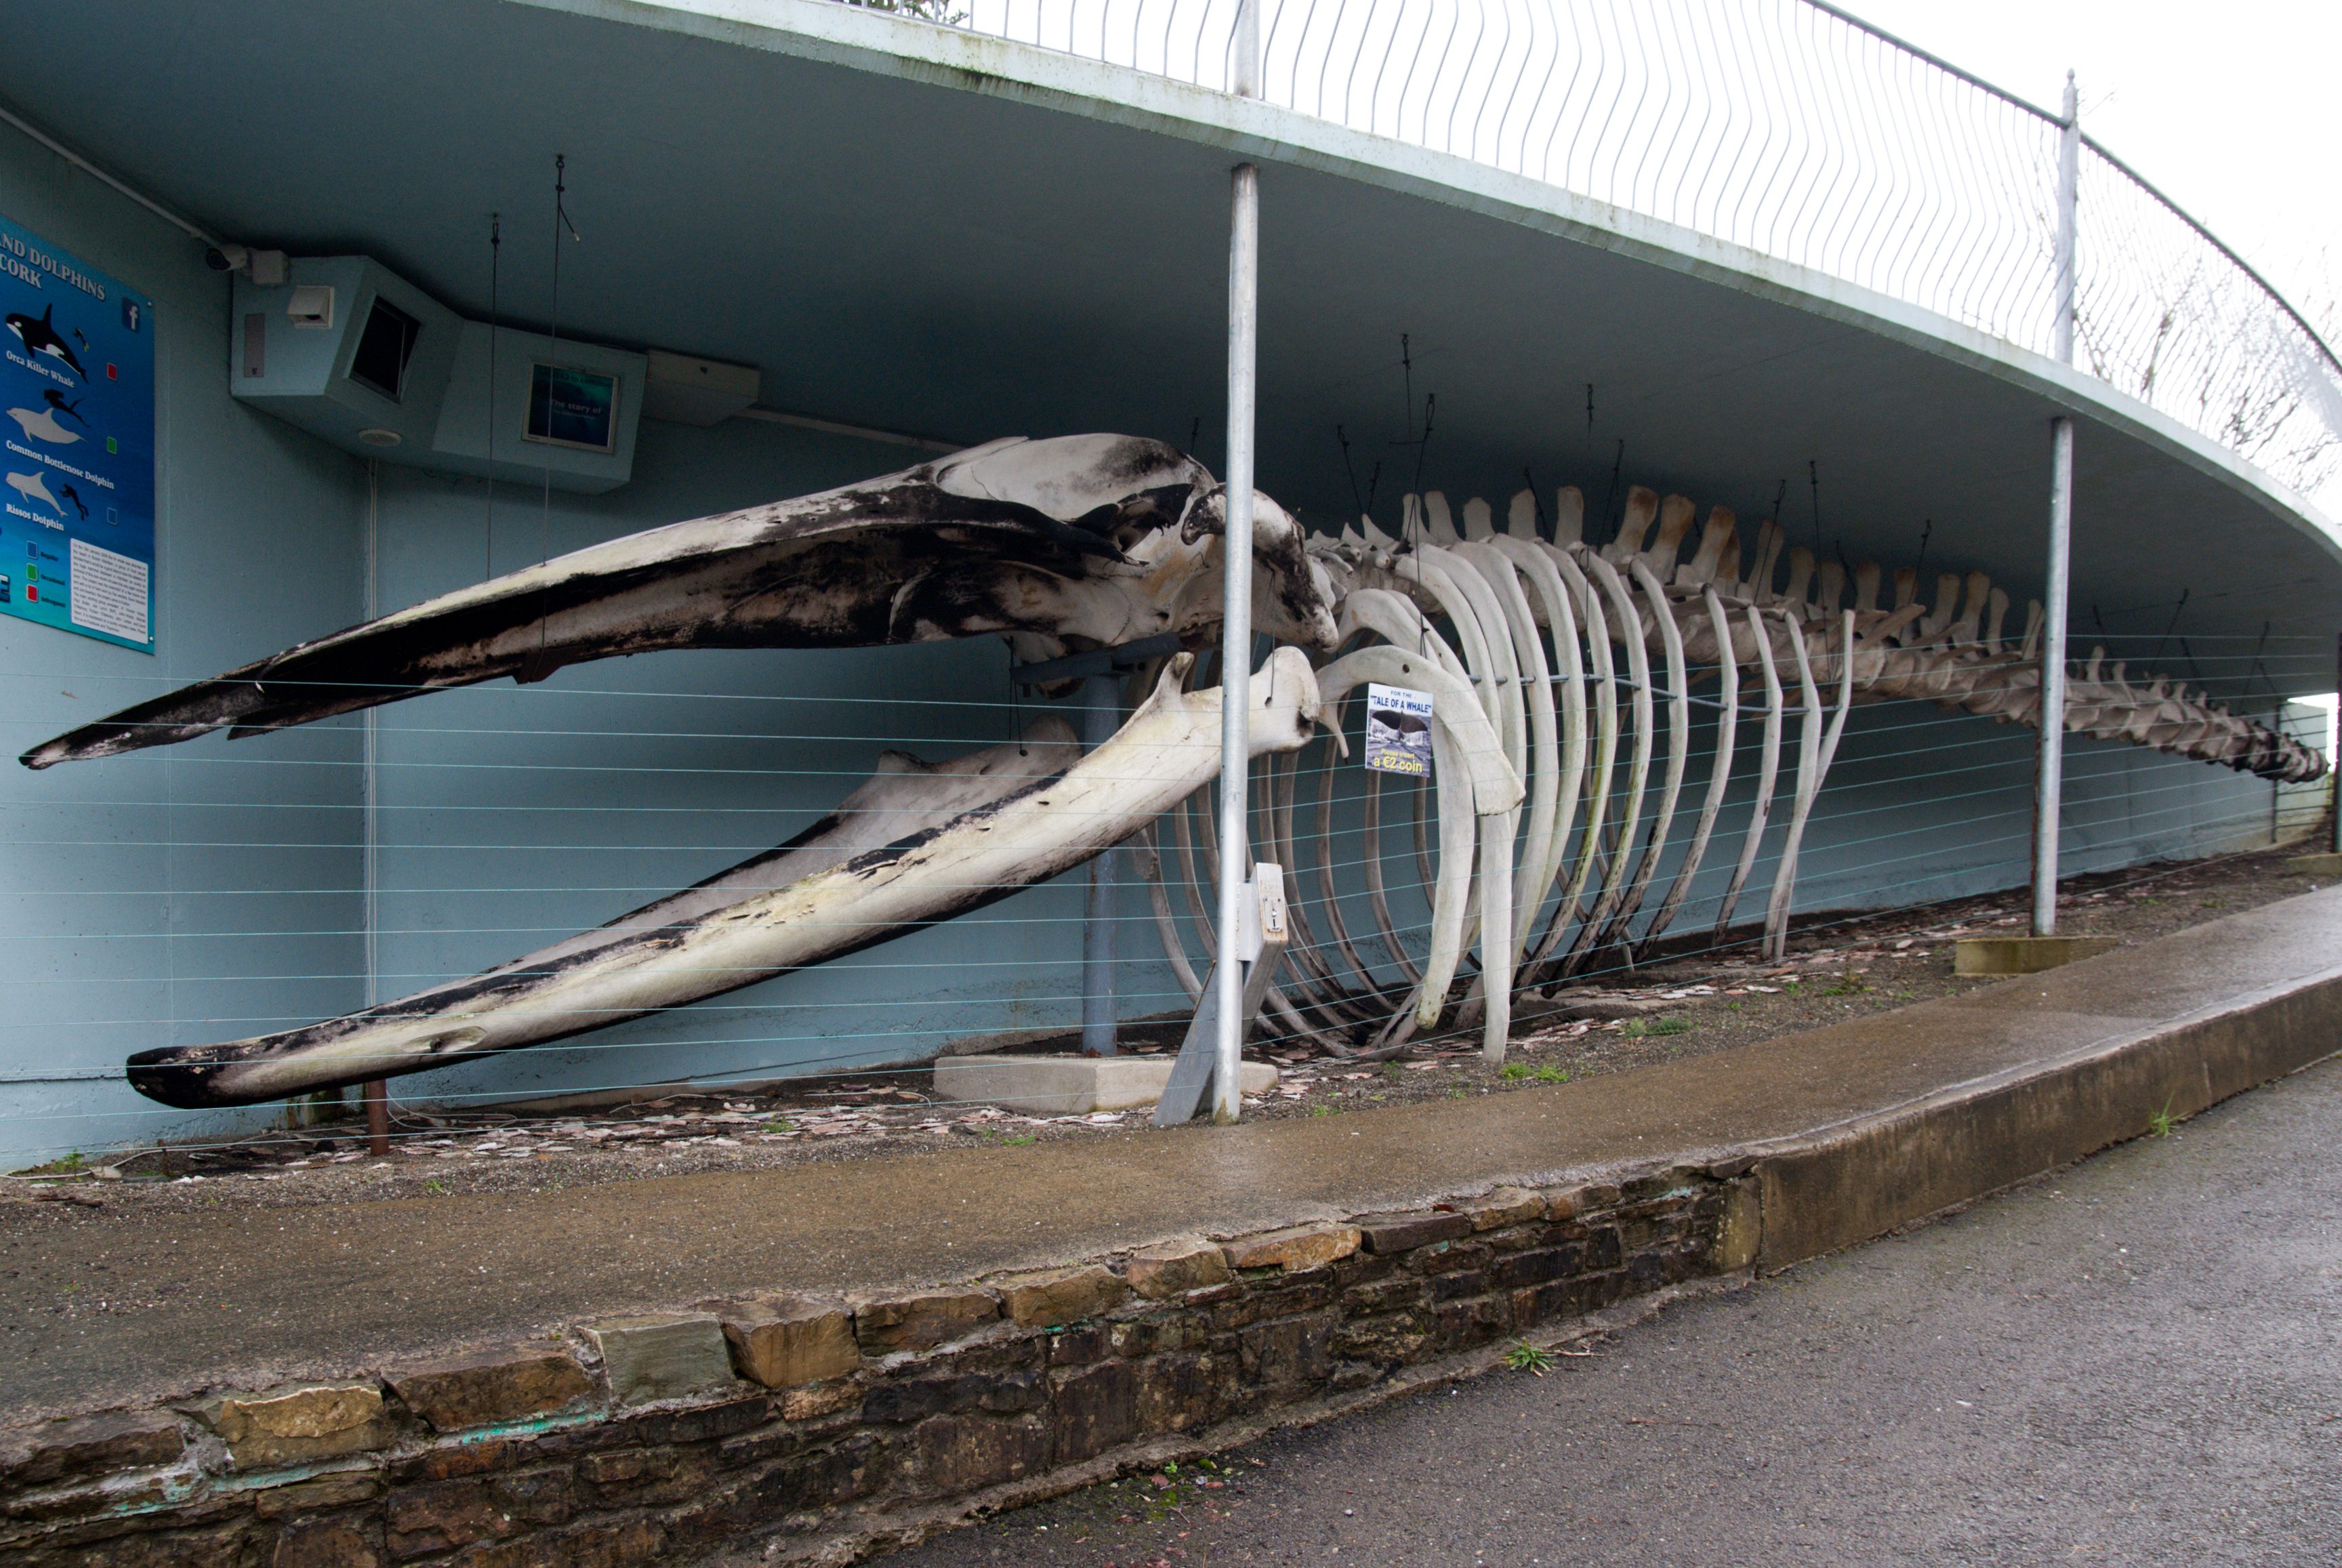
109 592
1398 731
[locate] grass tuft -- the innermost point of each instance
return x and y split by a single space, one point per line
1523 1356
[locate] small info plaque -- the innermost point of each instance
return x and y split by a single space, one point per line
1398 731
110 592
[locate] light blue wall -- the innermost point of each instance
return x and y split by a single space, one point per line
198 892
209 891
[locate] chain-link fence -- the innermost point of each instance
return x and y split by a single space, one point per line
1799 132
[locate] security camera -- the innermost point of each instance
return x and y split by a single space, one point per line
269 269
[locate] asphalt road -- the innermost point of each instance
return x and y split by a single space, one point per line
2134 1361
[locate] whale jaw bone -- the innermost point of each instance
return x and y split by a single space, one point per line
1023 829
1064 544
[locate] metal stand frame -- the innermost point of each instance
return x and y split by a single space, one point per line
1236 603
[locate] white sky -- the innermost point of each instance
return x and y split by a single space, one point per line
2230 109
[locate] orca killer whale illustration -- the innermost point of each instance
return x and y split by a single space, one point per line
56 400
30 487
70 494
40 336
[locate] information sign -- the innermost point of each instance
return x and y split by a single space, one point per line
78 420
1398 731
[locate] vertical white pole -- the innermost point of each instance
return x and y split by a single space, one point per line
2049 790
370 781
1235 600
374 1092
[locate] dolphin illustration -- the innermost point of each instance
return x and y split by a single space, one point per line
56 400
30 487
43 424
70 494
81 340
40 336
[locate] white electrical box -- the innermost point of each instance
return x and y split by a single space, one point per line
701 391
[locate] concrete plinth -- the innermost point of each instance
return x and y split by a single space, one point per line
2324 865
1069 1085
1974 956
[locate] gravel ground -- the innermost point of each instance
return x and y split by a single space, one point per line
1838 967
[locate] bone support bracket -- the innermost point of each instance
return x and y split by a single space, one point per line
1261 941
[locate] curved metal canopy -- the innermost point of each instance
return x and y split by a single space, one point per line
911 228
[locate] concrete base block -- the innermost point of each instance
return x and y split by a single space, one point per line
1975 955
1069 1085
2314 865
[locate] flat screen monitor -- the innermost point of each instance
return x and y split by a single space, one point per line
574 408
384 349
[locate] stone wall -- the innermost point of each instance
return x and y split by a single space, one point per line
817 1430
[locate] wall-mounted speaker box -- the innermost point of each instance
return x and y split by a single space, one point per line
344 347
351 353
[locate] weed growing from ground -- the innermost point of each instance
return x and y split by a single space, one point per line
1523 1356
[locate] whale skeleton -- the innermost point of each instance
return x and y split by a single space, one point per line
1569 651
1559 782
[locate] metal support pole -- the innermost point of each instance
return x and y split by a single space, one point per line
2049 787
1101 717
2050 775
1236 596
375 1092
